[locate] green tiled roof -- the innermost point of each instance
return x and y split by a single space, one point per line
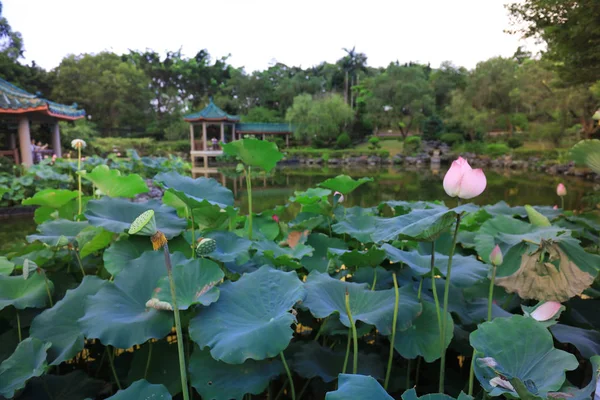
16 100
211 113
263 127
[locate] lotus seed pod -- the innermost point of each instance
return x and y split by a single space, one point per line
144 225
206 246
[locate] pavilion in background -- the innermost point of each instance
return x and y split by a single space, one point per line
213 115
22 108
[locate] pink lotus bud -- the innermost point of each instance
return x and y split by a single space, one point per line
463 181
53 157
496 256
546 311
118 154
82 158
555 207
340 198
561 190
275 218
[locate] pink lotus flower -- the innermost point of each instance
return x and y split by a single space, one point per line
561 190
496 256
546 311
555 207
275 218
463 181
53 157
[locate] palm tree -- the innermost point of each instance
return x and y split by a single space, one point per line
352 63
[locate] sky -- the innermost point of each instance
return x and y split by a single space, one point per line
258 33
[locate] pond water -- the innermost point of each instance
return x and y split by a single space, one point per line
389 183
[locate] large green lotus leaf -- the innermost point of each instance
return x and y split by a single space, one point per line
252 319
283 256
587 341
124 250
58 325
116 215
195 282
502 208
411 394
93 239
6 267
58 233
216 380
466 270
312 360
75 385
194 192
360 227
142 390
163 368
230 247
326 295
113 184
53 198
523 349
28 361
23 293
117 313
254 152
367 275
423 337
587 152
353 387
310 196
343 183
575 393
68 211
422 225
213 216
321 243
371 257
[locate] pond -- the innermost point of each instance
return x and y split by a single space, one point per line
389 183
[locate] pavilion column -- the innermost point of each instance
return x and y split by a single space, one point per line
222 132
191 137
232 132
264 136
204 139
25 142
287 140
56 146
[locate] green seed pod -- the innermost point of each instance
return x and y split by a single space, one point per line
144 225
206 246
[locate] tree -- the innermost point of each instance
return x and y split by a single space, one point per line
462 113
352 64
319 120
11 42
446 79
261 114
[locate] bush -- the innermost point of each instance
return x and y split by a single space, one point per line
432 127
514 143
343 141
496 149
412 144
144 146
323 153
374 143
452 138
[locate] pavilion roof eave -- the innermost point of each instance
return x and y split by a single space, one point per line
40 109
202 119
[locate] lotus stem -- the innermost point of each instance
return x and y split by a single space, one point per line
111 360
19 327
434 290
374 279
180 351
148 360
446 294
48 290
347 351
289 375
420 289
354 334
472 373
79 178
193 234
249 188
304 388
417 373
562 202
320 329
408 370
393 341
79 261
491 293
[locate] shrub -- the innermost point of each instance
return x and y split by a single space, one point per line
374 143
343 141
514 143
452 138
412 144
496 149
432 127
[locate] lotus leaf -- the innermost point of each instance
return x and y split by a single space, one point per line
6 267
587 152
117 313
326 295
254 153
523 349
360 227
75 385
142 390
163 368
23 293
116 215
536 218
587 341
283 256
58 233
343 183
195 282
352 387
28 361
502 208
194 192
320 243
58 325
52 198
216 380
411 394
311 196
93 239
371 257
124 250
111 183
252 319
230 247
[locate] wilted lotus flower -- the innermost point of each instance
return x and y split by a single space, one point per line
463 181
78 144
339 196
546 311
497 381
496 256
561 190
